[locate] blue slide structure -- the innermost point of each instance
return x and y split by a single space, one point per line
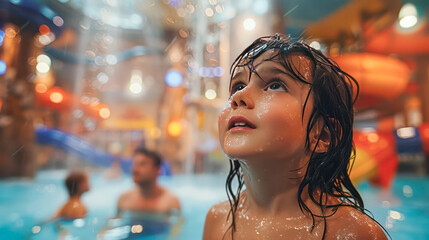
74 145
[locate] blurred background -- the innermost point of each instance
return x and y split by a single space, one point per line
83 83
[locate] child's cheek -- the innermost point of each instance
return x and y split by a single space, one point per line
222 124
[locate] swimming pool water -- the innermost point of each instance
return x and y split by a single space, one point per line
26 203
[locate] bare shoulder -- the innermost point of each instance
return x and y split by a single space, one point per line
72 210
125 195
171 198
350 223
216 221
122 201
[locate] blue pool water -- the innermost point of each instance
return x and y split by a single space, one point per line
26 203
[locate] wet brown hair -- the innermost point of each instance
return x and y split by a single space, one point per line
73 181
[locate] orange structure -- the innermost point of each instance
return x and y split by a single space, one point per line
376 73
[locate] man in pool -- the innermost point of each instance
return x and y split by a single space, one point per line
147 196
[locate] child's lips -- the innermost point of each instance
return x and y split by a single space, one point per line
238 123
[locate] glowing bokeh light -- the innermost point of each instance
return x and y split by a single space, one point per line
36 229
58 21
190 8
111 59
137 228
175 56
3 67
219 9
136 19
43 67
77 113
173 78
56 97
218 71
41 88
210 94
80 222
102 77
135 88
43 58
408 21
249 24
46 39
408 16
373 137
104 112
407 191
43 29
209 12
136 76
174 128
315 44
408 9
406 132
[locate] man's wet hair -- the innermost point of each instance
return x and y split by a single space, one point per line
155 156
334 92
73 181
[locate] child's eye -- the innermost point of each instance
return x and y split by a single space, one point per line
276 86
237 87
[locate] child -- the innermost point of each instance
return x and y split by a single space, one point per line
76 184
287 130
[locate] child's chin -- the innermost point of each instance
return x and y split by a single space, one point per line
239 155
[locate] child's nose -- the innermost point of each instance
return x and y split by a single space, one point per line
242 99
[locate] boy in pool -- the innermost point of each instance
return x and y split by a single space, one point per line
287 131
77 184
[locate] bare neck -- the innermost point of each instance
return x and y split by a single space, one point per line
75 197
149 189
272 188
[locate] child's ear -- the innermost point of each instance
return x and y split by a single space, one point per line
320 133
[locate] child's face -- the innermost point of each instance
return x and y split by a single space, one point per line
263 119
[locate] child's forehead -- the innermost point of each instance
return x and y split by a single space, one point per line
271 58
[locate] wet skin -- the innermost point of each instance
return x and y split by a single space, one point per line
262 127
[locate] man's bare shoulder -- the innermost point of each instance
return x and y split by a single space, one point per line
216 221
127 194
124 198
350 223
171 198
